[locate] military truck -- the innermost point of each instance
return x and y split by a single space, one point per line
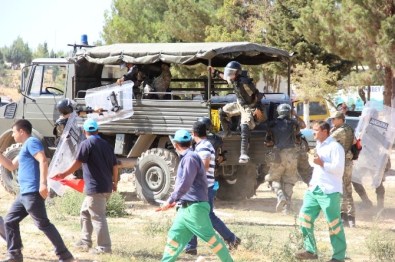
142 141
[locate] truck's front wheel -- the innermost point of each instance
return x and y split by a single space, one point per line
9 179
155 174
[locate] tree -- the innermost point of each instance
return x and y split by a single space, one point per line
134 21
361 31
19 52
41 51
311 81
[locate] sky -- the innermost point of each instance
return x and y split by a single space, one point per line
57 22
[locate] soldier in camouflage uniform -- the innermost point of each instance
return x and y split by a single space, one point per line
247 105
305 170
283 169
344 134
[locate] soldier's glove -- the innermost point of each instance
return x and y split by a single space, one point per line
259 116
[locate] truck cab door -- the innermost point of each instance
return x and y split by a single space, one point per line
46 86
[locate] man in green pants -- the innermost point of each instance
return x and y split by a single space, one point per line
324 194
193 214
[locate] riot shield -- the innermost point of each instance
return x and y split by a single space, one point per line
113 101
376 129
66 152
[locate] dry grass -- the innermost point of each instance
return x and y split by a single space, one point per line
266 235
10 83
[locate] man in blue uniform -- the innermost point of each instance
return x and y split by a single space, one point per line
100 173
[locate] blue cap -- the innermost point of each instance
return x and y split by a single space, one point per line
181 136
90 125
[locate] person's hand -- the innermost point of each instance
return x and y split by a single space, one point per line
59 176
317 160
114 186
165 206
43 191
120 81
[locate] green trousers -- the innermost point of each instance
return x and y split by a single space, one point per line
313 202
189 221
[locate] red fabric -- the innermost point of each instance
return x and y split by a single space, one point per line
359 144
76 184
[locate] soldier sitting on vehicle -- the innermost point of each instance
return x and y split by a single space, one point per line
282 174
248 105
134 74
161 83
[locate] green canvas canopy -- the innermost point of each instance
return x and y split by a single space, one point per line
218 53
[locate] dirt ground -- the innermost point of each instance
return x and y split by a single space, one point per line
247 218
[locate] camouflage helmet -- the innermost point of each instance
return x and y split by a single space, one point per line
65 106
206 121
284 110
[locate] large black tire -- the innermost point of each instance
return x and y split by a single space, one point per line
9 179
156 174
244 186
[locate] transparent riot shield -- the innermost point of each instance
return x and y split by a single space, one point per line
66 151
110 102
376 129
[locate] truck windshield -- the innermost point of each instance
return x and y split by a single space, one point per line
48 79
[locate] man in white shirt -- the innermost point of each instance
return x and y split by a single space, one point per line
324 194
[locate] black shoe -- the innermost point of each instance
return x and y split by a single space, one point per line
192 251
234 244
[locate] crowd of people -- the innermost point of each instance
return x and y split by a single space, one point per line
328 179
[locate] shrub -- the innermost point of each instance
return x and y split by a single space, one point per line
381 246
70 204
116 206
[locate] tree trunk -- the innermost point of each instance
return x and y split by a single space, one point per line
388 86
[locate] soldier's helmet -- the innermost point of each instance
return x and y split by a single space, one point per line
284 110
65 106
232 69
207 122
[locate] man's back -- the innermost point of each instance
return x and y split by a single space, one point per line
206 150
98 160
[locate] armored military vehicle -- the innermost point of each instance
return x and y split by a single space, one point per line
142 141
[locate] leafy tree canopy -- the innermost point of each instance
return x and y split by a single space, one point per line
18 52
313 80
41 51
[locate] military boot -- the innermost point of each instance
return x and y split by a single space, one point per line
351 221
344 218
380 203
245 136
281 199
380 192
366 203
288 192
